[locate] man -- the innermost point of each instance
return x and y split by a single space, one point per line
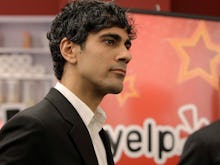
202 147
89 43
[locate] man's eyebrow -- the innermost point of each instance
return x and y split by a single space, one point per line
115 36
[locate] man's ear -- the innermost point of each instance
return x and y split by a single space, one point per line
69 50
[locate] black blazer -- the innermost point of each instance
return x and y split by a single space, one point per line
203 147
49 133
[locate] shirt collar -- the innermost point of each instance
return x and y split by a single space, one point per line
84 111
99 119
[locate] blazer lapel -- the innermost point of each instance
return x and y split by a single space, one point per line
106 142
83 142
79 133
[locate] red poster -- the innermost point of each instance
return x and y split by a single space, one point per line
171 89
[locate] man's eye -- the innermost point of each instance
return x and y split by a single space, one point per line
128 45
110 42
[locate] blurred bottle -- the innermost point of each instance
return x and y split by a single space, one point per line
1 91
26 40
13 90
28 90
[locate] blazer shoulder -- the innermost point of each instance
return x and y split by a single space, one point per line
207 135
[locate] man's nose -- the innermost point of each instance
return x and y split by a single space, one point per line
124 56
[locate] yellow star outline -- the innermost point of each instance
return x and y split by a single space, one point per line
129 90
185 74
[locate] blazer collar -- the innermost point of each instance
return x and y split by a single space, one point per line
78 133
106 142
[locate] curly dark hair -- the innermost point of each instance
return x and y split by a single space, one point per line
81 17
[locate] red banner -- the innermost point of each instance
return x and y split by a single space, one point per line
170 91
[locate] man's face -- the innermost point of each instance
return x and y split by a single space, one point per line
103 60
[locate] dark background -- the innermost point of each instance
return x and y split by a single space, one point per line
51 7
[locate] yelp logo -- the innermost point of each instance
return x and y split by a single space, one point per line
150 140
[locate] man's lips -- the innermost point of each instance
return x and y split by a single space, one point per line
120 71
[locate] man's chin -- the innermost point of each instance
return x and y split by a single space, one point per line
116 90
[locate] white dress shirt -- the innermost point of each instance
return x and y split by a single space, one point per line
93 121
